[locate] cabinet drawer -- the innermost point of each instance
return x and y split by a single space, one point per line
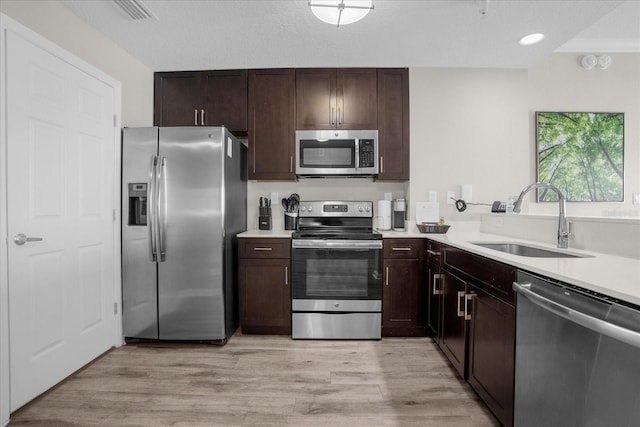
402 248
434 252
496 277
264 248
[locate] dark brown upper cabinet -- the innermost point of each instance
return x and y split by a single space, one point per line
329 98
201 98
271 124
393 124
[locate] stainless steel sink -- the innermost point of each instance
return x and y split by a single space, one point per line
526 250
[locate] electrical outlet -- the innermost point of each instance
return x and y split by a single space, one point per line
635 198
451 195
274 199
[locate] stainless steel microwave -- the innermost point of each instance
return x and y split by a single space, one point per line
336 153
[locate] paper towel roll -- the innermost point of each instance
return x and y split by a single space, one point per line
384 215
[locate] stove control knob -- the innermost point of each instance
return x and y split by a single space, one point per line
303 208
367 209
360 209
310 208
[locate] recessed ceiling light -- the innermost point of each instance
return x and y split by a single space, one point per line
530 39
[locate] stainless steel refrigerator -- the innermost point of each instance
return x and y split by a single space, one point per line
184 198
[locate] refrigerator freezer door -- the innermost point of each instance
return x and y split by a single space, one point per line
190 278
139 274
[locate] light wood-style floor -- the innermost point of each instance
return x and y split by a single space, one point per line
264 381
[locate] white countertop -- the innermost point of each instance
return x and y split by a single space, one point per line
286 234
615 276
610 275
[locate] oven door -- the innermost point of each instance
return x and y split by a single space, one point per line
336 269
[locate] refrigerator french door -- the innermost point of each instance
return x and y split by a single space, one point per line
184 202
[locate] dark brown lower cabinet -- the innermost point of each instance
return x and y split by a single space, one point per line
472 319
492 352
453 335
402 289
264 286
401 304
434 291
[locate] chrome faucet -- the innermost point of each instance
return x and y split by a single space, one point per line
563 224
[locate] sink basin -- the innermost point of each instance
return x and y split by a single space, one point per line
526 250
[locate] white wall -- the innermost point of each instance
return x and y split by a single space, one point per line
559 83
477 126
468 126
51 19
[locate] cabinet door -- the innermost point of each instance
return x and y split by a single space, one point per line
316 98
393 124
177 99
225 99
492 353
401 298
356 99
271 124
265 297
453 325
434 297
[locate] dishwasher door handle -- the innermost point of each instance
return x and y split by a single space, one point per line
597 325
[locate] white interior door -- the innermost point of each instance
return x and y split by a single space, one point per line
60 189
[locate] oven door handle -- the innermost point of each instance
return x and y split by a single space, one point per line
336 244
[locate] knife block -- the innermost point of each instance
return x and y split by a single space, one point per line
264 219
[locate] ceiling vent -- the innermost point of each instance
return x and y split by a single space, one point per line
135 9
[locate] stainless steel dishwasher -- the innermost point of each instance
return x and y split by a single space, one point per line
577 357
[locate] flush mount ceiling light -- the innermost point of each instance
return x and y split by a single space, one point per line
340 12
530 39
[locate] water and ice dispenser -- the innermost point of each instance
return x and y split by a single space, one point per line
137 203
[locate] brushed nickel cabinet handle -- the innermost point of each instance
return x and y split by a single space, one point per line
387 280
381 164
460 296
291 164
401 249
434 253
201 117
262 249
468 298
195 117
436 290
333 117
286 275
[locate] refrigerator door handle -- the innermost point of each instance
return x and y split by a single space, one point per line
162 208
152 211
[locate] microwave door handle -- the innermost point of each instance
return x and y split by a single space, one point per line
357 153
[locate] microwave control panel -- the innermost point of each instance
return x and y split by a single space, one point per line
367 159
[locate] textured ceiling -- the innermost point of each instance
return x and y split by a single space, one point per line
193 35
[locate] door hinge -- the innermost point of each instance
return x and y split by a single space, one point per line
115 308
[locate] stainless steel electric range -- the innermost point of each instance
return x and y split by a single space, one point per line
336 268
